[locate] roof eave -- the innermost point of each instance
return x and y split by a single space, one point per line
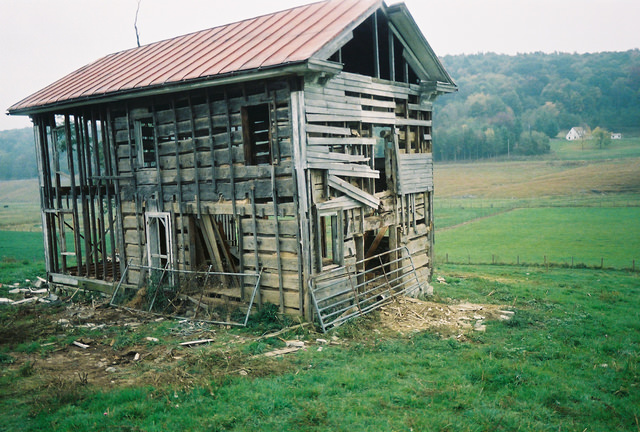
295 68
402 19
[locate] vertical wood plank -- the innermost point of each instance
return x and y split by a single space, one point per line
255 239
299 142
180 203
74 193
86 222
156 150
195 158
211 143
277 234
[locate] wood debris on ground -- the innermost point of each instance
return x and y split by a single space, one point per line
406 314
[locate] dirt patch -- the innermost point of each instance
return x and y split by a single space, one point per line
407 315
107 347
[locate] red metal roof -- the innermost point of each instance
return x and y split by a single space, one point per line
289 36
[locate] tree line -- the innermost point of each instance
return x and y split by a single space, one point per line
17 154
515 104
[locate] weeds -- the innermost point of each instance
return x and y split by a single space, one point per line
27 369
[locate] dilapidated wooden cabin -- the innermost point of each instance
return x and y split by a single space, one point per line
294 144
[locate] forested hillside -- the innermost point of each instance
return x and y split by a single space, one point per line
516 103
17 154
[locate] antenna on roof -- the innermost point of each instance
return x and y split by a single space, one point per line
135 23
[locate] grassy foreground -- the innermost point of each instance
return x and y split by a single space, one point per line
568 360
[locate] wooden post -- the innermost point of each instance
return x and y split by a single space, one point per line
101 183
139 214
74 193
376 46
176 141
299 141
277 234
195 161
255 239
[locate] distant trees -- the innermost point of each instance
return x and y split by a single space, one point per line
508 104
602 136
17 154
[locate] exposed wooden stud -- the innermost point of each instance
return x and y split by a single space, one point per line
100 195
111 167
298 137
232 180
74 193
392 57
180 202
195 157
276 226
93 193
138 210
211 141
44 179
156 150
86 222
376 46
256 244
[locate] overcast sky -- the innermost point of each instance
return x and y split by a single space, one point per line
43 40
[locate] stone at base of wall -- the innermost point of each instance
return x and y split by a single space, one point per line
424 290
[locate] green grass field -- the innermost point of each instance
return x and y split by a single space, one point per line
568 360
21 256
587 234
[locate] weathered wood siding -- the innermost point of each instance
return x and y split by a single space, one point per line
345 116
201 170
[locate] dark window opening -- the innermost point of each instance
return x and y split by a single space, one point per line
256 134
144 137
330 240
383 135
359 54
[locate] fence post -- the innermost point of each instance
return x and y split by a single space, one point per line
601 262
518 259
447 259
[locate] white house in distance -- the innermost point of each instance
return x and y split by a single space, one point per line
616 135
576 133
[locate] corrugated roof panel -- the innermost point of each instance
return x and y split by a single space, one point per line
152 72
270 40
278 37
225 53
248 48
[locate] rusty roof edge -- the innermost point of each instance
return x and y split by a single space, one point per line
294 68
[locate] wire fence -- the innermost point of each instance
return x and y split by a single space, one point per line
547 262
632 200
